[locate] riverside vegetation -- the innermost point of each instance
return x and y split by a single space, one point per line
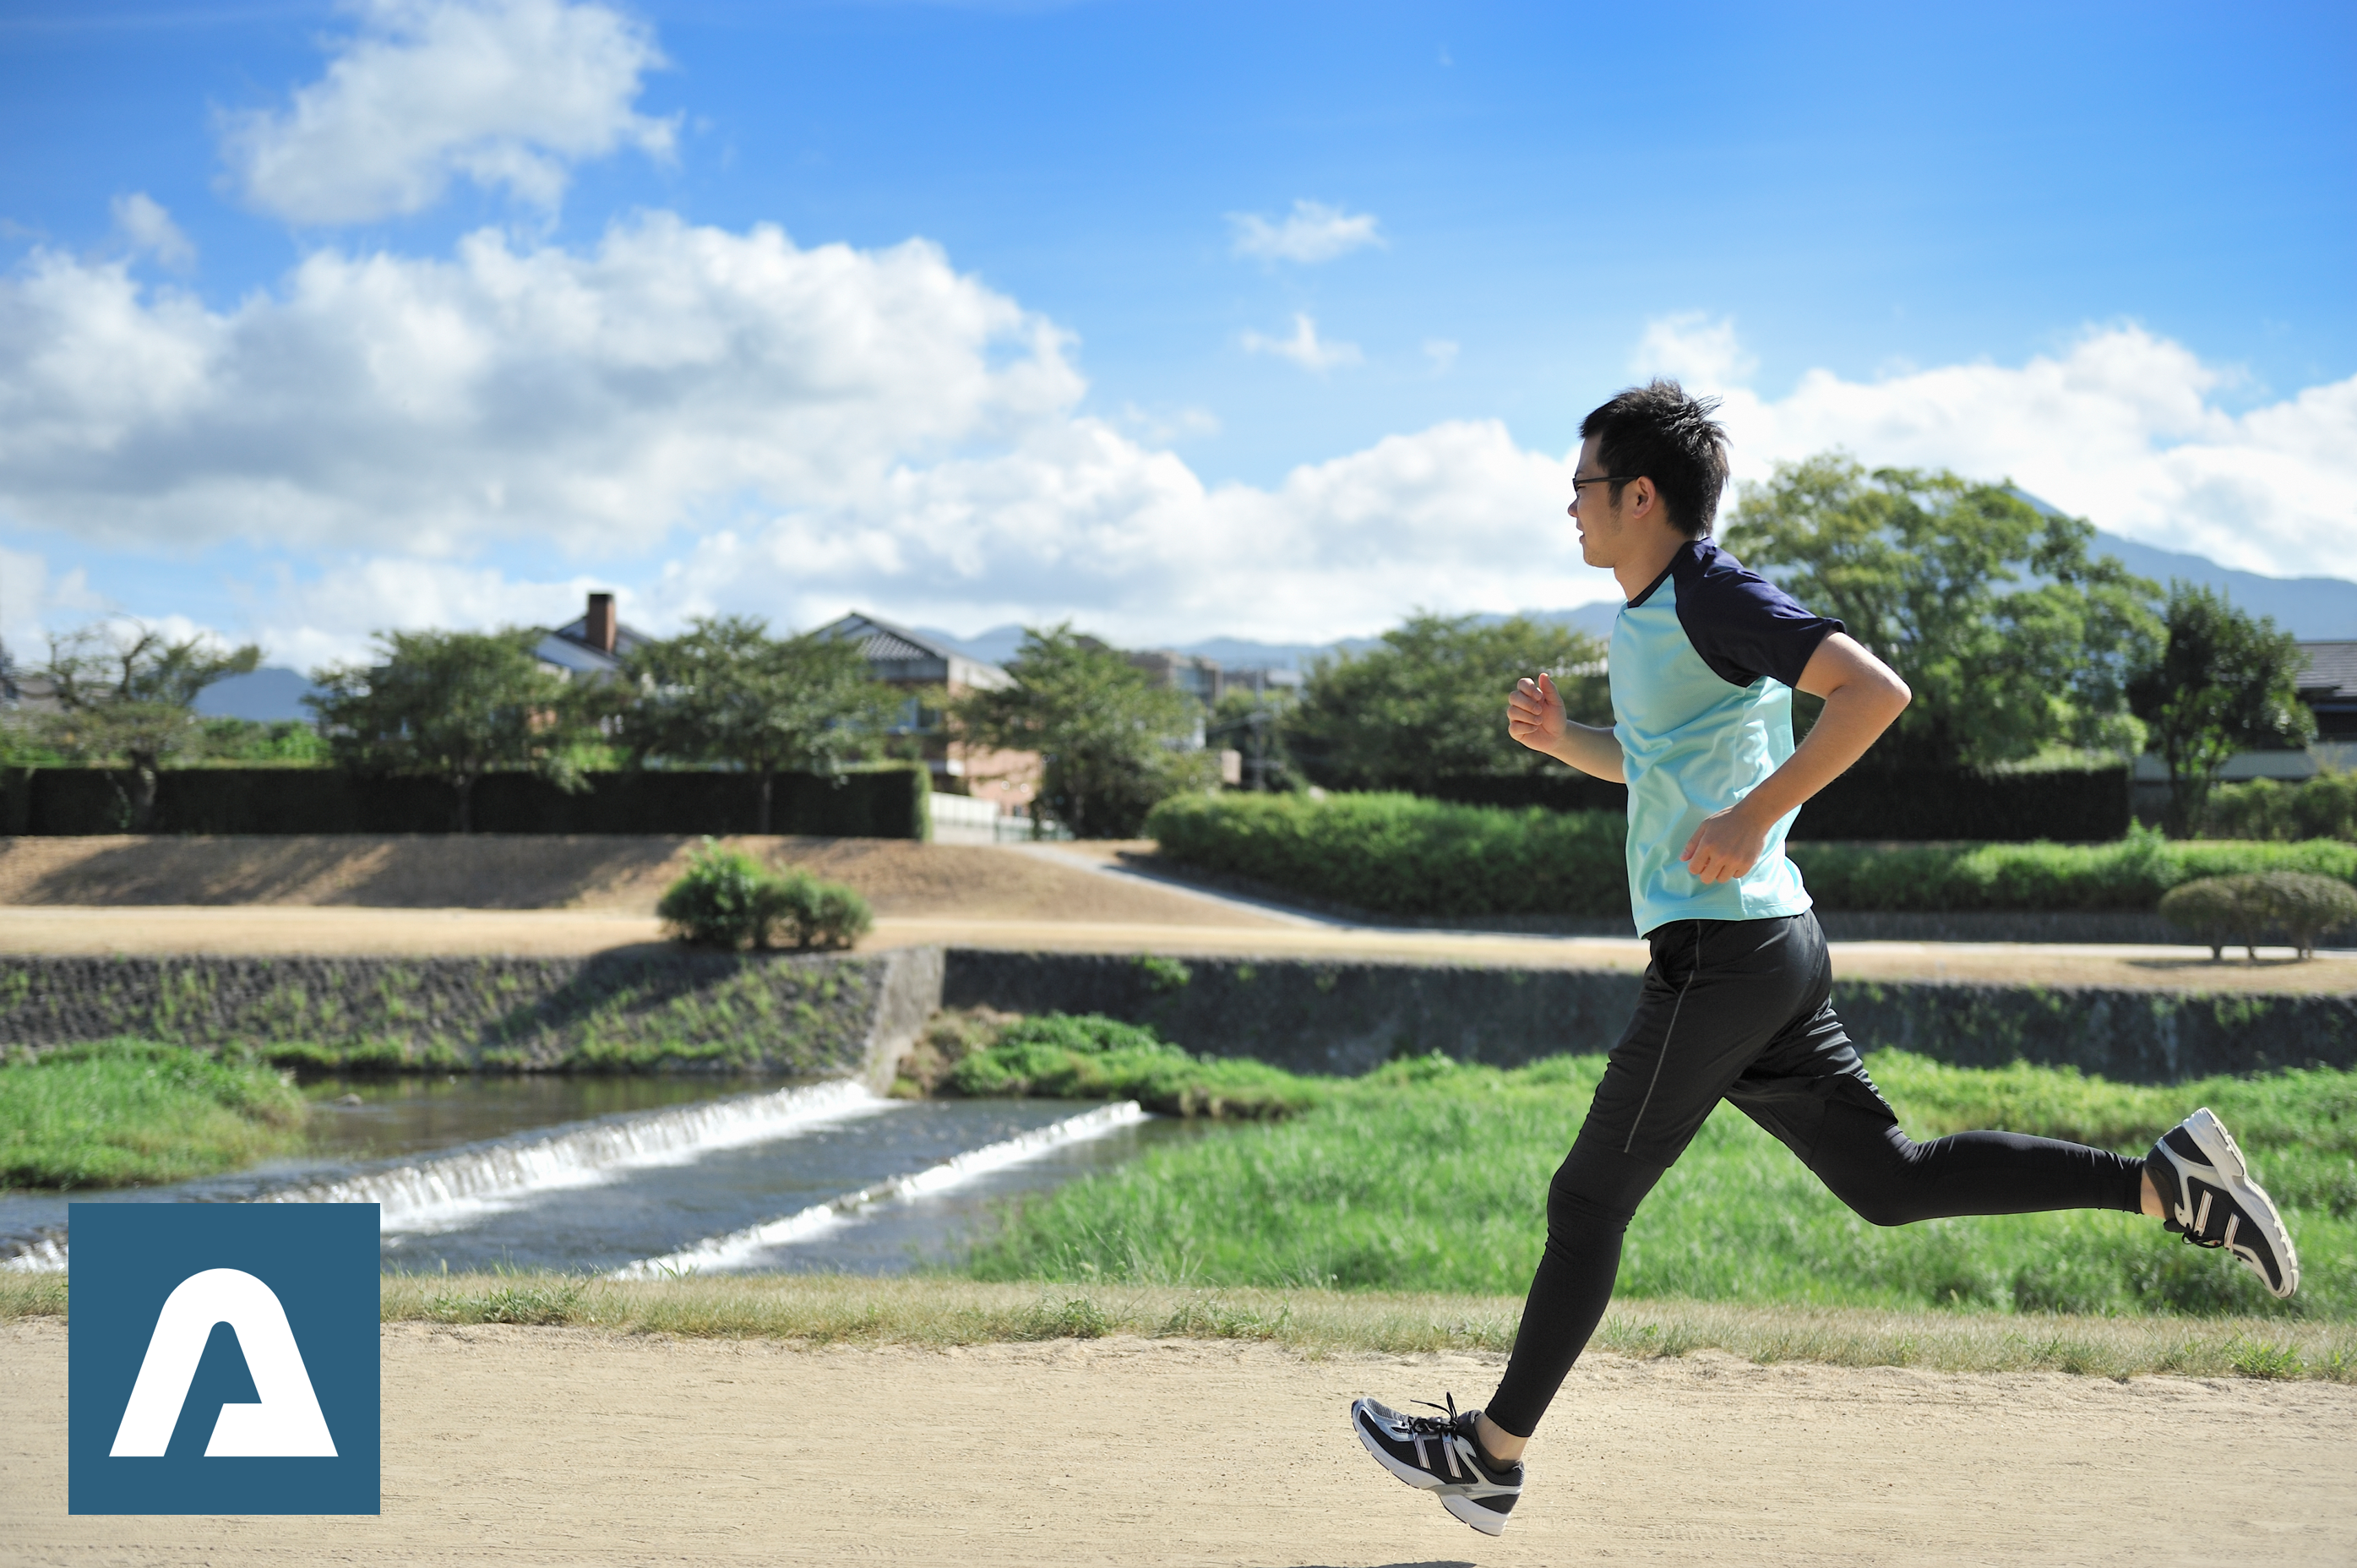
1431 1175
1407 856
135 1112
1426 1175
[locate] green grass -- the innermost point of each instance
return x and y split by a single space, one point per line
131 1112
813 1310
1429 1175
1087 1056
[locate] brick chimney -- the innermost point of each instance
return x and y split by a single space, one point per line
599 629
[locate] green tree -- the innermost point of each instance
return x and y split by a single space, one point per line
1252 725
726 691
455 705
1111 743
2015 639
1430 702
131 693
2223 682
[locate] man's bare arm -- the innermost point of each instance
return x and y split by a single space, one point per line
1863 695
1535 717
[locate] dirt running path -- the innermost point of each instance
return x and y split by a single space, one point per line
568 1446
269 931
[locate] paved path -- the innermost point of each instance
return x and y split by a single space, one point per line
532 1447
339 930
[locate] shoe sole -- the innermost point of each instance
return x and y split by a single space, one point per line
2225 1155
1466 1510
1460 1506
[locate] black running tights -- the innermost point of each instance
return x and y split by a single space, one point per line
1859 1153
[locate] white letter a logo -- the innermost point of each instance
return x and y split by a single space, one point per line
286 1425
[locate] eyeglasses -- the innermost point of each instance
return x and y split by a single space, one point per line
1603 479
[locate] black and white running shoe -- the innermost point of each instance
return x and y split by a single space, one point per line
2208 1197
1440 1455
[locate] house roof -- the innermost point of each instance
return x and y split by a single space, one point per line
627 638
2331 671
895 653
883 639
568 647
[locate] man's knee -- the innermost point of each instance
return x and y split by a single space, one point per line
1597 1186
1877 1170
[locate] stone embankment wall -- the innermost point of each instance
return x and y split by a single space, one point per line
1348 1018
771 1012
856 1014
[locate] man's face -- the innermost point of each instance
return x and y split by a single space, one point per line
1600 523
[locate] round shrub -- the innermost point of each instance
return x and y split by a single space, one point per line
2242 911
814 913
722 901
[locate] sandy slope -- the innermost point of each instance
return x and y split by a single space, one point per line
560 1446
617 875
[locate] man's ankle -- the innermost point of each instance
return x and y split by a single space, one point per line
1500 1446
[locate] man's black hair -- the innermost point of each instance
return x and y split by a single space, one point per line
1656 432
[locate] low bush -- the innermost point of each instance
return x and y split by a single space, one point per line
728 900
720 902
132 1112
814 913
2244 911
1401 855
2324 807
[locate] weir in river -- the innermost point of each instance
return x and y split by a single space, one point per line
808 1177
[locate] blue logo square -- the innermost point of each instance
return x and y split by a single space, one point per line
221 1358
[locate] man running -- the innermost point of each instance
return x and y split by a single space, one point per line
1705 657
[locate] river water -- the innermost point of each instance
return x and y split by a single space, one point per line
645 1176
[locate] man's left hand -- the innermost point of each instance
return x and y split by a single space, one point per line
1726 845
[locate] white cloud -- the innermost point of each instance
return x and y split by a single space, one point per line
1311 232
330 618
1304 348
1692 348
593 400
2123 429
1441 352
503 93
791 432
146 227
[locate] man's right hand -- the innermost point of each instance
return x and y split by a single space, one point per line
1534 714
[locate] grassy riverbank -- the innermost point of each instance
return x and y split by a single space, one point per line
133 1113
1429 1175
817 1310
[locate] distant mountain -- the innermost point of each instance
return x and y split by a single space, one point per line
995 645
270 694
2315 609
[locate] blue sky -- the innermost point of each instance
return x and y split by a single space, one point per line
1272 321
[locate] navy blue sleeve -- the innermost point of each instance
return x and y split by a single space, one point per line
1741 624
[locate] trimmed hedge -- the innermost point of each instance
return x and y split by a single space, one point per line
63 802
2131 874
1936 803
1405 855
1402 855
2324 807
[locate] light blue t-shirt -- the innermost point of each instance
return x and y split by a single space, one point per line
1703 667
